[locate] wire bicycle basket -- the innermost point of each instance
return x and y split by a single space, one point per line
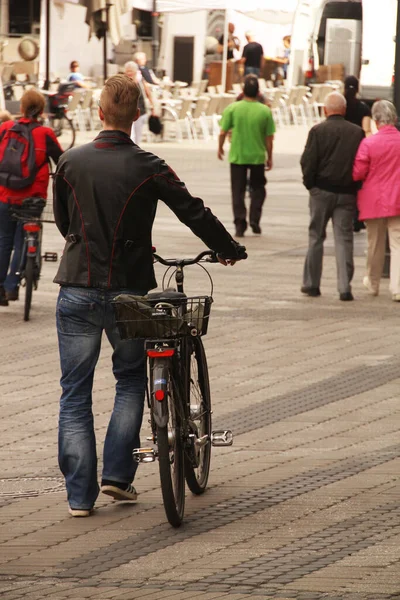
161 317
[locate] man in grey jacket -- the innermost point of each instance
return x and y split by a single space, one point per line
327 164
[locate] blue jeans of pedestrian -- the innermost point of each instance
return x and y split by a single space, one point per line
252 71
82 316
10 238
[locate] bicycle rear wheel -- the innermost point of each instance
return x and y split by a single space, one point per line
171 460
29 282
64 129
200 419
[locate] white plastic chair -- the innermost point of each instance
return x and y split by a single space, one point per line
180 116
198 117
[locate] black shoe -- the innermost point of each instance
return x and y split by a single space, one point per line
239 233
346 296
256 228
310 291
3 297
13 295
118 491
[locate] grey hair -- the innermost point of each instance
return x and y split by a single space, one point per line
131 66
384 112
335 102
139 55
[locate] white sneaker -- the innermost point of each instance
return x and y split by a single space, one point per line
77 512
368 285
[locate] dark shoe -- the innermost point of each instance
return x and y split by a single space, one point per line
310 291
119 491
13 295
3 297
346 296
239 232
256 228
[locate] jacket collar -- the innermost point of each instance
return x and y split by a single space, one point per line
114 136
335 118
387 129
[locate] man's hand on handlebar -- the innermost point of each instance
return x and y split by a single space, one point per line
227 261
241 254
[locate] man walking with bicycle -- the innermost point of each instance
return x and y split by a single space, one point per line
105 199
25 149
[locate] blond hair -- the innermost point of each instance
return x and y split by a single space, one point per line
5 116
119 101
32 104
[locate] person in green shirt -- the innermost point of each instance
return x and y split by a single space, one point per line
253 128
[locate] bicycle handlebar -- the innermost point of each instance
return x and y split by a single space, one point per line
212 258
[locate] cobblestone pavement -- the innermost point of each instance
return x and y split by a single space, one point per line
304 505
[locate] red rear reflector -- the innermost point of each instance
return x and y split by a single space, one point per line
31 227
159 395
32 249
158 354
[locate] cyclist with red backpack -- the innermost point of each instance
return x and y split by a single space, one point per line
25 149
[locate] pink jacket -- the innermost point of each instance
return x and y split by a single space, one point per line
377 165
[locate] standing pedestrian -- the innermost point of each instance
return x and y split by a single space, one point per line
253 55
327 164
253 128
377 165
132 70
105 201
359 113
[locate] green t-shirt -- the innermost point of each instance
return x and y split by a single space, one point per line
250 122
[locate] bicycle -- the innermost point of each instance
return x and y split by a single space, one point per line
29 213
178 391
57 116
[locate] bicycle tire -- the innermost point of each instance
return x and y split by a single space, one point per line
171 461
199 395
64 125
29 282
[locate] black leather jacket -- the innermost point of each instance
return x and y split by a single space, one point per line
327 160
105 200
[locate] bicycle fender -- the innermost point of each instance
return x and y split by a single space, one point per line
160 380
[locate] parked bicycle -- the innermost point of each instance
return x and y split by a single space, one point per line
178 394
30 214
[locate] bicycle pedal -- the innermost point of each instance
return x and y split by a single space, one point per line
50 256
222 438
144 455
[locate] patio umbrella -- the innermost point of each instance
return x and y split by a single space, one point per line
104 16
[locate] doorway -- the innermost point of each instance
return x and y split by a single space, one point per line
183 58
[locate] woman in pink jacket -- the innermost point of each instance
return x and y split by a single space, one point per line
377 165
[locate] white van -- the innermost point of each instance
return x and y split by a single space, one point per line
360 34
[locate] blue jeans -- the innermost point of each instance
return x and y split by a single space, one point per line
252 71
82 315
10 237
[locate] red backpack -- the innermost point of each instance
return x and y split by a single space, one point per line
18 167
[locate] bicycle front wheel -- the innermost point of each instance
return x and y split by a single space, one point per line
200 419
64 129
29 282
171 461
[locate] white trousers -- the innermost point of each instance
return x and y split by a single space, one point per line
376 229
137 129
